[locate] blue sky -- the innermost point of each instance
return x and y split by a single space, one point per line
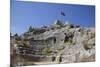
36 14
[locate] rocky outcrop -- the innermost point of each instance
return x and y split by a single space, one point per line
65 43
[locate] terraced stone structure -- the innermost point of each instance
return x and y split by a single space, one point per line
65 43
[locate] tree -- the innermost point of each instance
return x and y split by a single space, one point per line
58 22
16 35
18 38
10 34
31 29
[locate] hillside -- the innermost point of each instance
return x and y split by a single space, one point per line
59 43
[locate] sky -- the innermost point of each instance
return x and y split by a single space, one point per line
37 14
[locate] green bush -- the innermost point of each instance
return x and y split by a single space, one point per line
47 51
59 49
25 44
70 42
18 38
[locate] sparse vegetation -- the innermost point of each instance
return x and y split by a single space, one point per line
47 51
18 38
57 42
70 42
59 49
16 35
31 29
69 39
25 44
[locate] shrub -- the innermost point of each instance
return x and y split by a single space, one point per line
47 51
59 49
25 44
25 39
70 42
18 38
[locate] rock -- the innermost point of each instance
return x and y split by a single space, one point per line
64 43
